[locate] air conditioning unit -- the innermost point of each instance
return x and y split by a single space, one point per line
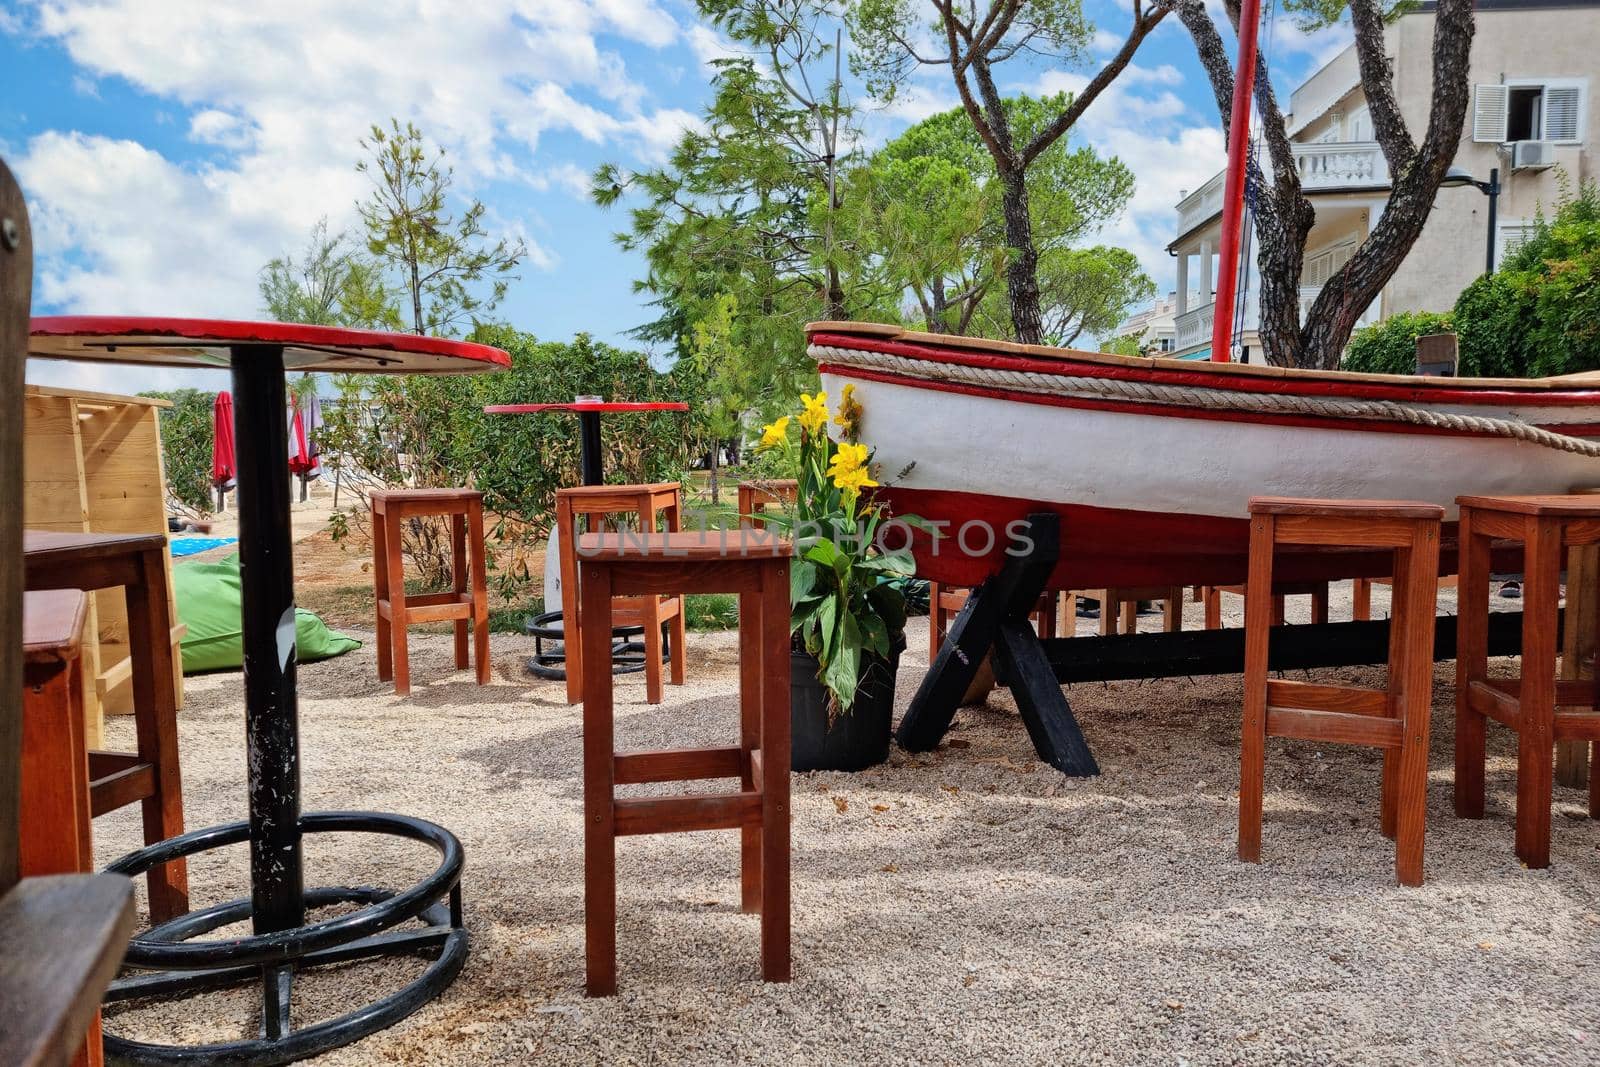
1532 155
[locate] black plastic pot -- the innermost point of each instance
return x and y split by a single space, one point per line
856 740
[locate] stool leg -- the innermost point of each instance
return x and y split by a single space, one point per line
1068 614
1416 700
1108 621
1319 604
1172 611
652 649
935 621
1211 596
1472 664
1398 621
1279 615
599 792
1361 596
394 565
1130 616
156 723
380 589
750 666
480 593
1253 734
458 583
571 607
775 965
1536 727
679 640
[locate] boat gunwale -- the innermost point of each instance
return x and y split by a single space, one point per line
1583 389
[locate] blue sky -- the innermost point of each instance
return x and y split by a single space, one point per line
169 148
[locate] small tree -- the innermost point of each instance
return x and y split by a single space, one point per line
330 284
440 260
186 443
972 38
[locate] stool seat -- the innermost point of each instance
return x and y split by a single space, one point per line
1578 506
1394 718
754 563
1345 509
52 625
466 603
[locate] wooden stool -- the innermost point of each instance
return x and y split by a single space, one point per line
149 776
651 505
1540 709
467 604
755 565
1211 596
55 836
756 497
1124 602
1395 718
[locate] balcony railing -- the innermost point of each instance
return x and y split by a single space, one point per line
1332 165
1192 329
1335 165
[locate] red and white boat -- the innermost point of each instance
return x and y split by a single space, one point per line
1150 462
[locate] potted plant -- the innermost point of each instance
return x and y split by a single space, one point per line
848 613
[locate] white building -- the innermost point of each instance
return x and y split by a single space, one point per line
1154 326
1529 117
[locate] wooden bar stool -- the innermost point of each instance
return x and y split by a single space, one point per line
1361 594
650 507
1121 605
150 775
466 602
55 837
756 497
1394 718
1211 596
1539 708
755 565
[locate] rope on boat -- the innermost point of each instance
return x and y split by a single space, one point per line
1185 396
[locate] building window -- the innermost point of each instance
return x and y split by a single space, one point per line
1530 109
1514 233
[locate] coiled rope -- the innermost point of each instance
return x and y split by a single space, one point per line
1191 397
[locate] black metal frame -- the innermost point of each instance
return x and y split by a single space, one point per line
282 941
627 648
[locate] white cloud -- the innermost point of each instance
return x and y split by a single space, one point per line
709 45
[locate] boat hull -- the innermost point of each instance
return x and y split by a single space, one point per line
1157 494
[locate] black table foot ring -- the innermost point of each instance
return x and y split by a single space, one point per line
163 962
550 662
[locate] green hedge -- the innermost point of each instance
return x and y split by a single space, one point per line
186 438
1390 347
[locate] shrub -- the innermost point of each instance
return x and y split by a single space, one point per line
1492 317
1390 346
186 438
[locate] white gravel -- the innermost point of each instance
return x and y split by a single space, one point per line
967 906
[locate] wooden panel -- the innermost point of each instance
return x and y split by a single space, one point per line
1345 698
1343 532
1333 726
676 815
678 765
55 496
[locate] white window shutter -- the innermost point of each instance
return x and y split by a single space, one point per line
1490 104
1562 103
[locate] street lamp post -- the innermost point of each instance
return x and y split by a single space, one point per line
1456 178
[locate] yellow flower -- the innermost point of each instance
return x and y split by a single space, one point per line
848 469
815 415
849 416
774 434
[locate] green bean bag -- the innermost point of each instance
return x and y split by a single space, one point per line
208 603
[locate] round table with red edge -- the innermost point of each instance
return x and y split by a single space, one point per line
423 919
544 626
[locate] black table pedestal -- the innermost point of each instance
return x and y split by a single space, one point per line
164 961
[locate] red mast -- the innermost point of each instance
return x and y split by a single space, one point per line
1244 83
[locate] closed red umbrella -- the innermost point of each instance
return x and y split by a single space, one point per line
223 465
300 460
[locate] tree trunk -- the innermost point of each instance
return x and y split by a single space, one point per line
716 471
1022 266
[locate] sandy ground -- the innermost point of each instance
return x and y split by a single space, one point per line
967 906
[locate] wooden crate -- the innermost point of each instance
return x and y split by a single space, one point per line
92 463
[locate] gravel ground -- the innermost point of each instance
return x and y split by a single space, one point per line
967 906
